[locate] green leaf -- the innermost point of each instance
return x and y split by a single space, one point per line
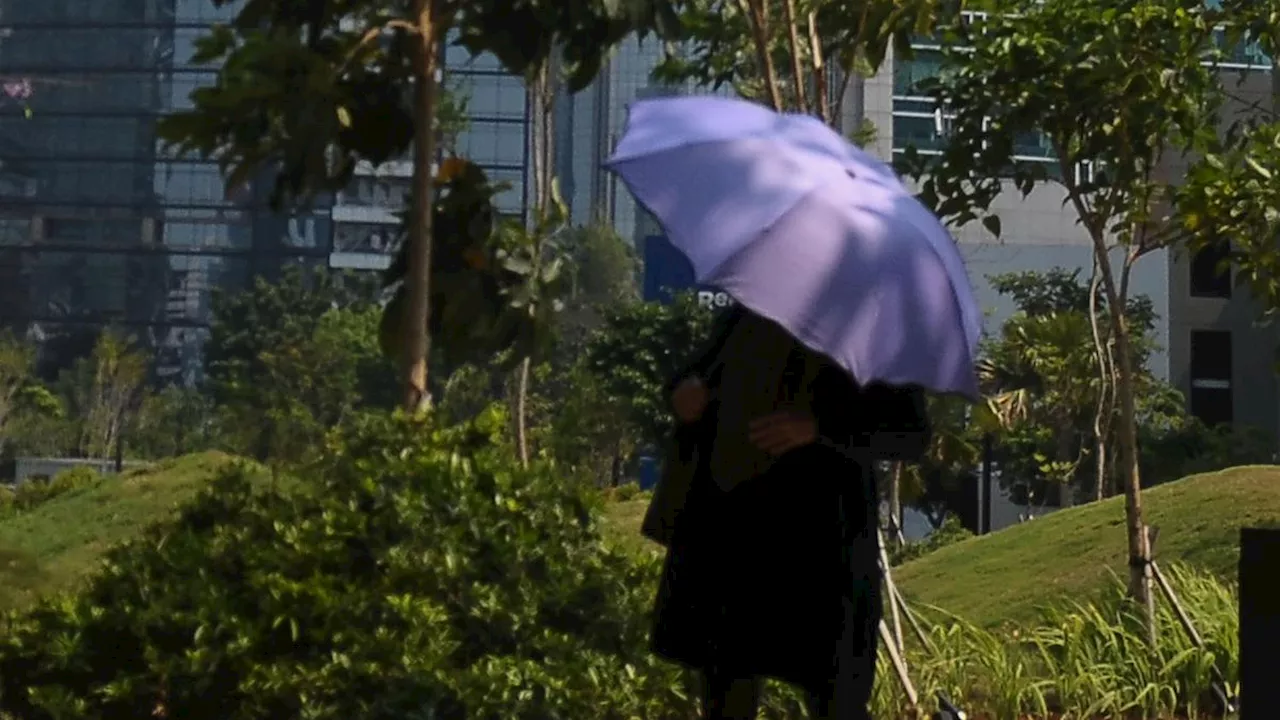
992 224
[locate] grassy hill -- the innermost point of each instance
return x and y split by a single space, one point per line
1004 576
1071 554
51 546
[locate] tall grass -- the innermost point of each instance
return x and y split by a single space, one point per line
1083 661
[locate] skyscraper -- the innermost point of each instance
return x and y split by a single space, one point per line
98 223
495 138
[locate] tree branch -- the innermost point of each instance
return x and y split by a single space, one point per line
755 13
820 73
793 39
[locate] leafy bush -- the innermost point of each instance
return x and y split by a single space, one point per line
37 491
419 573
952 531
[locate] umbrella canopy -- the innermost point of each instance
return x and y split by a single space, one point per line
810 231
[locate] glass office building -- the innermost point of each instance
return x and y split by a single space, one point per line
495 138
99 225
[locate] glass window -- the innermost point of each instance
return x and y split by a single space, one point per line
1210 271
381 192
512 199
179 183
458 59
96 183
1210 355
44 50
1033 144
365 237
918 132
14 230
494 96
1247 53
65 226
205 236
50 137
203 12
493 143
908 73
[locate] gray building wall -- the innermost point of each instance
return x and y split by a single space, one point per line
1255 392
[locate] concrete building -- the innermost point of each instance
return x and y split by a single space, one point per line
1221 357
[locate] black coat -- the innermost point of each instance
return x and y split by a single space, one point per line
779 576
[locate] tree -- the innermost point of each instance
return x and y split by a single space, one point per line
1045 390
263 340
101 390
782 52
1232 195
358 57
17 372
171 422
1115 87
641 347
320 383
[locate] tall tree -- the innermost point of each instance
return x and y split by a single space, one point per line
101 390
254 329
786 53
1116 87
357 58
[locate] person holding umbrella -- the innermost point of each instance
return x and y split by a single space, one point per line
852 303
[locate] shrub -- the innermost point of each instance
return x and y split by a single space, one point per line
952 531
36 491
419 573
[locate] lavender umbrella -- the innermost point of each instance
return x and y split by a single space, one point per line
809 231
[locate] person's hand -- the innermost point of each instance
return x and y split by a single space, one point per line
689 399
782 432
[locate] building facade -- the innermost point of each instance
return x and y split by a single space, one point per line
99 224
495 137
1221 357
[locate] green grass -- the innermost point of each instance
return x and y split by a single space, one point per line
1072 554
52 546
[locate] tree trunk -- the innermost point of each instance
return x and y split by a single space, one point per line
541 154
1104 410
417 341
895 502
1127 442
1127 431
522 411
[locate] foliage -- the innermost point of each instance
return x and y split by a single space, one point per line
170 422
782 52
270 314
639 349
495 285
951 531
286 359
418 572
940 483
36 491
358 58
1081 660
1114 87
100 391
1232 195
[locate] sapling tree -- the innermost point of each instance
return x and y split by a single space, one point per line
1117 87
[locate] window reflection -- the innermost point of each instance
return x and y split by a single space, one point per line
493 143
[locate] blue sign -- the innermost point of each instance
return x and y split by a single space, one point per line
668 271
